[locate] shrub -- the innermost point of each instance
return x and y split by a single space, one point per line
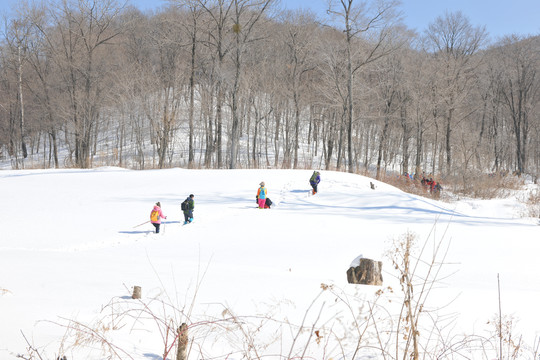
532 203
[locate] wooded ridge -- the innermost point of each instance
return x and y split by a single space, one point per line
238 84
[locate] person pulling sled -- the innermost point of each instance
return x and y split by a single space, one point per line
261 196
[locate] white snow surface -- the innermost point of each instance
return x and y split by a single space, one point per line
71 252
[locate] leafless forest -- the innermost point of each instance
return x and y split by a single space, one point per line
242 84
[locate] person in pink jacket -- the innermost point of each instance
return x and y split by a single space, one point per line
155 216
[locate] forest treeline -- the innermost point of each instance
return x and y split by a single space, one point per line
242 84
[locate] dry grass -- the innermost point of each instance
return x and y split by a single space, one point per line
415 187
532 202
4 292
485 186
478 186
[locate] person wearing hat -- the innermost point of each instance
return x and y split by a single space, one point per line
155 216
261 195
314 181
188 209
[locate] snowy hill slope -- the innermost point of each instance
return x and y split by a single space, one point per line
70 247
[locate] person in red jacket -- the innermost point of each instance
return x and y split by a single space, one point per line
155 216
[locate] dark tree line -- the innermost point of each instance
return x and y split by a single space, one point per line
241 84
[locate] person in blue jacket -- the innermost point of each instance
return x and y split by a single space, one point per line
314 180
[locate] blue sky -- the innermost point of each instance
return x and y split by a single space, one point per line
501 17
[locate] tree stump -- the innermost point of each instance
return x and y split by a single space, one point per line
367 272
181 354
136 292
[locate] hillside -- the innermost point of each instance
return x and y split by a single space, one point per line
248 281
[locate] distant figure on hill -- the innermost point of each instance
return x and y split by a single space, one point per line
261 195
314 181
155 216
187 207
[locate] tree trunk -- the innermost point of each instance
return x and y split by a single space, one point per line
136 292
181 354
191 155
21 102
368 272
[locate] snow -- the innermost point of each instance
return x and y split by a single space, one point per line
71 251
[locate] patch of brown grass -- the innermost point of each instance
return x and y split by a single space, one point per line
485 186
478 186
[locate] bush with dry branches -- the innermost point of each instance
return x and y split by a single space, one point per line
532 203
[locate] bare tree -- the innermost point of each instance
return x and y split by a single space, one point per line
17 37
163 106
299 34
332 90
453 42
9 126
84 27
134 58
218 39
374 26
246 14
389 75
195 11
520 89
41 62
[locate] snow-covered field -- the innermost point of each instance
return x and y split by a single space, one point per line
243 279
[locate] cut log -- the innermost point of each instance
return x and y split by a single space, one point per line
136 292
367 272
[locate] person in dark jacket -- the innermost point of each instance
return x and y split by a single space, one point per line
314 181
188 212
